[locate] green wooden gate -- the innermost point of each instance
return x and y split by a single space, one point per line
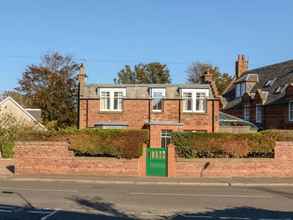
157 162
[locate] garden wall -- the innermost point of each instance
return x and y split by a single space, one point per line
37 158
280 166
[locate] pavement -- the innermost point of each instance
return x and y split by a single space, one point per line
188 181
86 198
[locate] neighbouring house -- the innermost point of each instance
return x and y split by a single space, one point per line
161 108
263 96
24 117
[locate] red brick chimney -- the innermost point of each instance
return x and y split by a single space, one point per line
82 76
209 78
241 65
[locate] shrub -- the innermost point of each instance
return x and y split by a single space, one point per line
210 145
7 150
120 143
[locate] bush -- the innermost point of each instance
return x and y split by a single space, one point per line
120 143
219 145
7 150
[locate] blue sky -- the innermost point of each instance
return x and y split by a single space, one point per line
108 34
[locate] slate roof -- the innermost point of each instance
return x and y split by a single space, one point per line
141 91
270 82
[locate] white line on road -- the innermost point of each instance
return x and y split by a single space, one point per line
37 190
6 210
228 217
204 195
49 215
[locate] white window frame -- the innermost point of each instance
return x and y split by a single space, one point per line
194 92
111 91
290 111
246 112
158 90
258 113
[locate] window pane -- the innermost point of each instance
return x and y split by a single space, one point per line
200 102
165 138
246 113
118 100
258 114
187 101
291 111
105 101
157 104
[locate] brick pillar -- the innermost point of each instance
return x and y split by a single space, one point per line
155 136
284 150
142 162
171 161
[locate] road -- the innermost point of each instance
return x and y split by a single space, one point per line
83 201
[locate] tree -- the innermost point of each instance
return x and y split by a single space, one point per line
155 73
197 69
52 86
18 97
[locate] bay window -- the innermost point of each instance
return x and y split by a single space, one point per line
194 100
111 99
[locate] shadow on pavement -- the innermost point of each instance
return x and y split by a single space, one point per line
241 213
94 208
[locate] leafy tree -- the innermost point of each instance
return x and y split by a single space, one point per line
52 86
155 73
18 97
197 69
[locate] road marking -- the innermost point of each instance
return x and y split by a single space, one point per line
37 190
39 212
49 215
6 210
204 195
227 217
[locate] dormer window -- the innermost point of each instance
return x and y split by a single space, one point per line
157 94
111 99
194 100
240 89
269 83
277 90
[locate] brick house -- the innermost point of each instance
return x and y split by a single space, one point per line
161 108
263 96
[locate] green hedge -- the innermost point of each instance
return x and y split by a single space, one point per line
219 145
120 143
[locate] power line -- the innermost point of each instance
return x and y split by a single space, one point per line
112 61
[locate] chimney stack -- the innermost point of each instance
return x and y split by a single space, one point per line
208 76
241 65
82 76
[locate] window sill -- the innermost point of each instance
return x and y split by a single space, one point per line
110 112
196 113
157 111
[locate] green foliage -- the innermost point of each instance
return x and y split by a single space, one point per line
120 143
219 145
7 150
197 69
8 130
52 86
155 73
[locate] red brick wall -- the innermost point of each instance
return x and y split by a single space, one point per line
136 112
280 166
32 158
